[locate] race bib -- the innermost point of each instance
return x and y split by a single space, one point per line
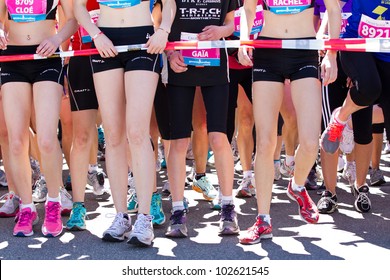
372 28
344 21
119 4
85 37
285 7
27 10
257 24
199 57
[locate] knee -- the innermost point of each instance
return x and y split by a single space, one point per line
218 141
309 146
47 144
114 138
364 94
17 146
179 145
80 140
137 135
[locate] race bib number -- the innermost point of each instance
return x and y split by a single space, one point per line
372 28
199 57
85 37
119 4
257 24
285 7
27 10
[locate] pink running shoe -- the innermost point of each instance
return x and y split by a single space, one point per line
52 226
24 225
260 230
307 208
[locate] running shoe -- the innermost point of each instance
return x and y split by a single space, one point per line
101 139
66 201
349 172
77 217
10 208
130 181
36 170
24 225
347 142
165 190
52 225
331 137
156 210
362 201
376 177
236 155
260 230
277 174
142 233
311 180
204 186
96 180
386 150
228 224
340 163
3 179
185 203
287 170
307 209
119 229
132 201
40 190
246 188
327 203
177 227
68 183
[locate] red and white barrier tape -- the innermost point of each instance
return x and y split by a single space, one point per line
357 45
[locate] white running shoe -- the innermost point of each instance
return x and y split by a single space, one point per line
119 228
142 233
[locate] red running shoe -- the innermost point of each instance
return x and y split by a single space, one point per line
307 208
260 230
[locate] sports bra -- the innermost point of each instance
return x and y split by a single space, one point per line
30 10
287 7
119 4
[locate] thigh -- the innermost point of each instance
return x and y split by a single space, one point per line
216 100
306 96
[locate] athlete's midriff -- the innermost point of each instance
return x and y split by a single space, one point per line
289 26
32 33
138 15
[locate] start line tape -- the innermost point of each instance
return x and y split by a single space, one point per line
356 45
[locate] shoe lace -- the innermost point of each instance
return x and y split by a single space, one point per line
363 198
24 218
52 212
245 182
64 193
141 225
227 213
154 205
335 131
118 222
8 199
177 216
76 213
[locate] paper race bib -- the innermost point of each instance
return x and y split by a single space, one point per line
199 57
285 7
27 10
257 24
372 28
119 4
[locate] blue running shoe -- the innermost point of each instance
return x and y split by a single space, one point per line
156 210
77 217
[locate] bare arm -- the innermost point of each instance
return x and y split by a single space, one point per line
157 42
67 28
3 18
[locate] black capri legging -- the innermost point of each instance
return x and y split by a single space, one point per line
241 77
371 80
181 101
